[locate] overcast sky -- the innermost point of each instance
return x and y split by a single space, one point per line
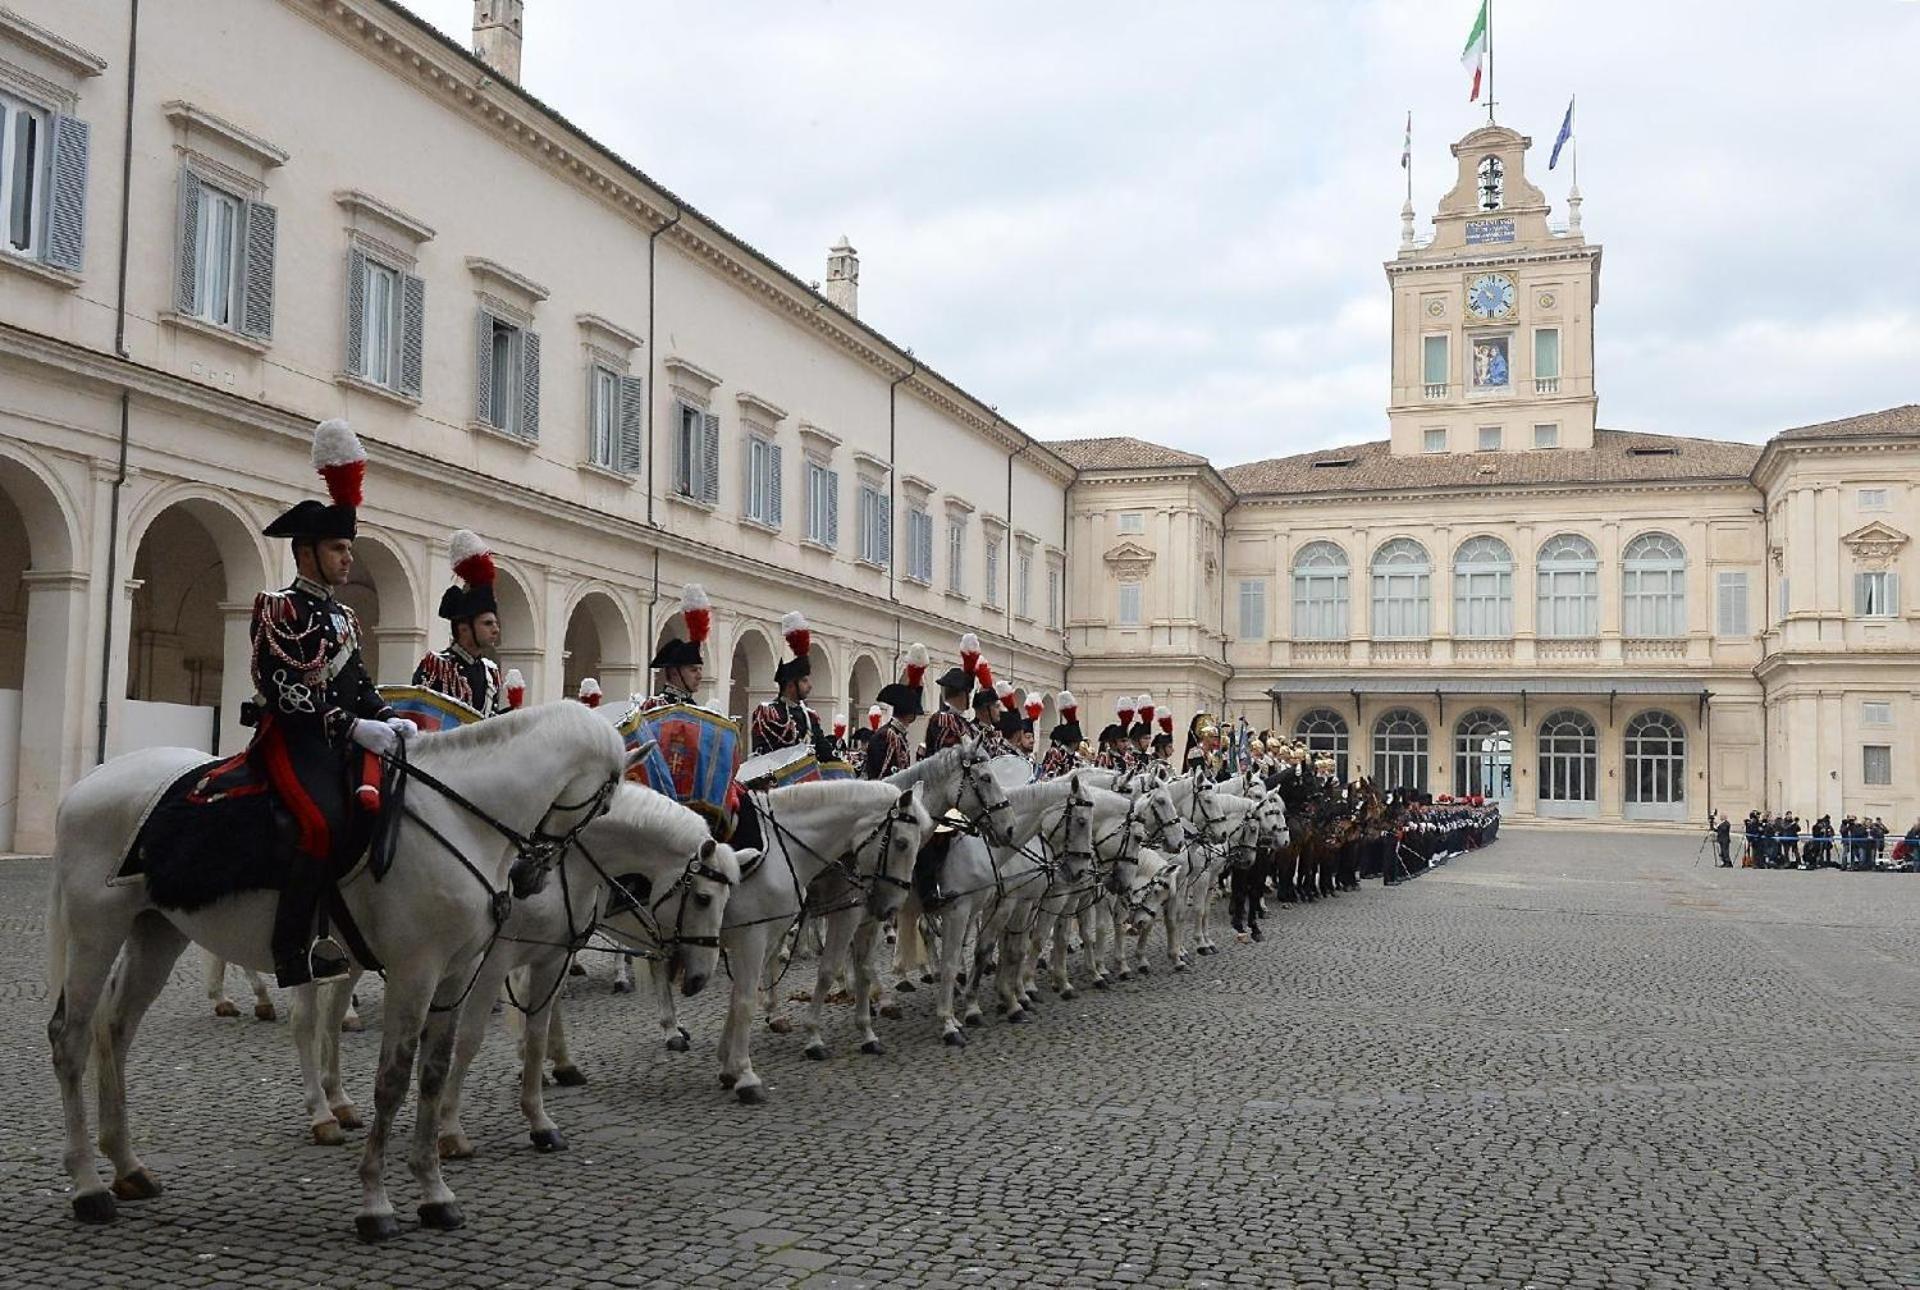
1169 221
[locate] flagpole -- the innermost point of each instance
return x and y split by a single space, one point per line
1489 62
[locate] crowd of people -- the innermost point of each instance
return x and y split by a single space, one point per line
1783 841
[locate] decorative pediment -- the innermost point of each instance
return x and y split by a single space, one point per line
1875 545
1129 561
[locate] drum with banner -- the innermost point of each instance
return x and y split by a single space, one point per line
838 770
431 710
693 756
779 768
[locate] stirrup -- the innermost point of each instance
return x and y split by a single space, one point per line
327 960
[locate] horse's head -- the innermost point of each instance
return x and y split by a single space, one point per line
981 798
1167 830
1071 839
1121 846
1144 899
691 911
886 856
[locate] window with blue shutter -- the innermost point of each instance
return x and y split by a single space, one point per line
67 202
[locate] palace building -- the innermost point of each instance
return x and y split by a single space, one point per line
225 226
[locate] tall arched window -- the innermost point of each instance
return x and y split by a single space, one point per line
1653 587
1656 760
1402 600
1320 593
1325 731
1483 755
1569 758
1400 751
1569 578
1483 588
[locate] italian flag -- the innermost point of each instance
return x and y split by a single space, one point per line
1474 56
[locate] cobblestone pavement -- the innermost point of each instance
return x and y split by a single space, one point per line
1569 1060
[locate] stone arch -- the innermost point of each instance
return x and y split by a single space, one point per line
826 698
381 592
522 630
750 678
43 607
196 566
864 679
599 644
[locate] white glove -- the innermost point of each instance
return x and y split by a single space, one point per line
375 736
403 728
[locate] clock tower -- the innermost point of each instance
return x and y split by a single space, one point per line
1493 318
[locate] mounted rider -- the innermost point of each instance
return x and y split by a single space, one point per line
890 750
988 703
464 670
687 747
314 708
785 721
953 722
1063 741
1163 742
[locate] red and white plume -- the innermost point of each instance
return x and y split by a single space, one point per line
1145 705
1123 709
1166 722
970 655
589 692
1035 705
1003 691
341 461
877 716
516 688
697 610
1067 706
799 636
472 562
839 725
983 674
917 662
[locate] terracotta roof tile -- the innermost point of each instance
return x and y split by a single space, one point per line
1120 453
1617 456
1903 420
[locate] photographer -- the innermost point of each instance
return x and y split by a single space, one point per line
1722 829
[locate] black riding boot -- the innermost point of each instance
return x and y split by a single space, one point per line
296 960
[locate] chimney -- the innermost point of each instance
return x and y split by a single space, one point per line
843 277
496 36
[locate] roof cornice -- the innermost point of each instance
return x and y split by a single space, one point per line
1606 487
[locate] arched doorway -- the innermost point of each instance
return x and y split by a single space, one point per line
1483 756
196 569
599 644
381 594
1569 764
1400 751
863 683
1656 767
751 676
1325 731
42 664
826 698
520 633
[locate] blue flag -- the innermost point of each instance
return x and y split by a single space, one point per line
1566 133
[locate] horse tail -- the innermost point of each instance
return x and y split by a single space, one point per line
910 952
56 942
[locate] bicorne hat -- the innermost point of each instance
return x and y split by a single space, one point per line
340 460
697 611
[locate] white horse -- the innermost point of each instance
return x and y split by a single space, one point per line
673 882
960 778
868 832
541 773
1127 919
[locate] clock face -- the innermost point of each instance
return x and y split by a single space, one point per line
1490 296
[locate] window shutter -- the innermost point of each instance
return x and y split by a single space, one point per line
1892 607
632 410
885 506
1860 593
529 427
750 450
710 454
67 208
926 548
263 235
356 312
776 510
833 509
186 277
413 334
483 367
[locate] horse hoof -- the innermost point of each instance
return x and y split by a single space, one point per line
780 1025
454 1146
348 1117
974 1019
623 987
678 1043
138 1185
1016 1016
95 1207
1145 970
815 1052
374 1228
955 1039
576 969
728 1081
351 1024
1181 966
226 1008
442 1216
327 1134
751 1094
265 1012
1068 993
548 1140
891 1011
569 1077
905 985
1100 983
872 1048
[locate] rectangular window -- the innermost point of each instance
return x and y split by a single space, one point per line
823 505
956 554
876 526
1129 613
1546 360
919 545
1876 765
1872 499
1320 596
1433 440
23 169
992 562
1130 522
603 429
1433 365
378 334
1489 439
1876 593
1730 603
1054 581
1876 714
216 291
1253 609
696 454
762 484
1023 584
1546 436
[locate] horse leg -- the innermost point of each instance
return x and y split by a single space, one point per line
623 974
404 1014
82 976
736 1040
839 934
677 1036
470 1035
149 956
949 949
865 984
308 1017
335 1006
543 983
565 1073
438 1207
217 986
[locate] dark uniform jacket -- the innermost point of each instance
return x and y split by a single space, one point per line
459 675
777 724
888 752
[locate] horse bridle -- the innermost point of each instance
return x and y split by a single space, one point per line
987 809
846 864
